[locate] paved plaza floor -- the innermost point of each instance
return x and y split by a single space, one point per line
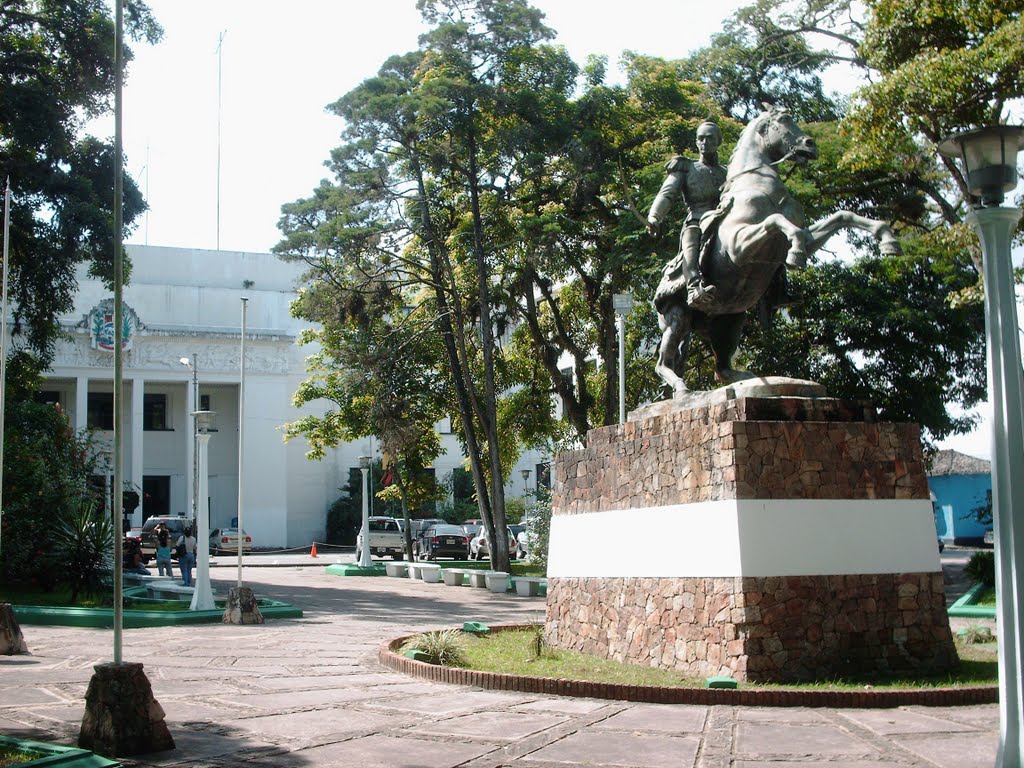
309 692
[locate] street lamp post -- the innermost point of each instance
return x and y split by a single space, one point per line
622 303
202 593
364 550
989 157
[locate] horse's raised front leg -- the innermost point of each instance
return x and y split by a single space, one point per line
821 231
747 239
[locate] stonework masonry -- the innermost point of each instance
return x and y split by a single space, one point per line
776 628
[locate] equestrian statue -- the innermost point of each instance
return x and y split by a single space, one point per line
737 239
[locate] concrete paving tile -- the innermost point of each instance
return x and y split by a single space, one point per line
799 740
779 715
822 763
495 726
388 752
606 748
568 706
316 726
663 718
24 696
287 700
983 716
307 683
955 750
891 721
441 703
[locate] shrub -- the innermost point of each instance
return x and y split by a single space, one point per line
443 646
981 568
83 543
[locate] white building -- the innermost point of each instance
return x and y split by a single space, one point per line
187 303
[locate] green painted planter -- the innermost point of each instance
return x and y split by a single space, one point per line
103 618
347 569
965 608
56 755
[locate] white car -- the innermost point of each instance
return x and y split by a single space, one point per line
226 540
990 538
478 545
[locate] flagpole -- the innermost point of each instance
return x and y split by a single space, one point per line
3 350
241 440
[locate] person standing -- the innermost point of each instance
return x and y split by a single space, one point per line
163 550
186 556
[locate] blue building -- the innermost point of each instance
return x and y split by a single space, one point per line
959 485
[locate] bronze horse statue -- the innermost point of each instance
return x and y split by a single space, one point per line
757 230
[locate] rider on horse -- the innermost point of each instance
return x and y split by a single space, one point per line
700 185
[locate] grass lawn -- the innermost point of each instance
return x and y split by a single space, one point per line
28 594
515 652
987 598
14 756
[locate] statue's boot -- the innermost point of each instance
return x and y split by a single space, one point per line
700 296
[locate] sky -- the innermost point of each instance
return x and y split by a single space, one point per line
257 109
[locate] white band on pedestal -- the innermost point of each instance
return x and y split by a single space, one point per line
757 537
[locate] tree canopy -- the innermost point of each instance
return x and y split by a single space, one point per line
56 72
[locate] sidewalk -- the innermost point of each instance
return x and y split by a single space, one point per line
309 692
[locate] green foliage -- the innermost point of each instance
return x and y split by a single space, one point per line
975 634
46 466
982 512
444 646
538 513
57 68
82 547
981 568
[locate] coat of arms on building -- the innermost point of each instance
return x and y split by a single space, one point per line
101 326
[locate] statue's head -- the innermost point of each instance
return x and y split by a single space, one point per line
709 136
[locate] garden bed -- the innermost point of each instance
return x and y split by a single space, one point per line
967 606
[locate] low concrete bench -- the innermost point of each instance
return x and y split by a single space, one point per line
412 569
477 578
530 586
142 580
397 568
430 572
170 590
497 581
454 577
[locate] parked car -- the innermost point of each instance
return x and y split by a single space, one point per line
478 544
990 538
226 540
442 540
175 528
385 537
522 545
419 526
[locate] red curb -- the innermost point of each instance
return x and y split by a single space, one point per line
753 697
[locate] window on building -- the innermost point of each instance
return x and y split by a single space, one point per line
100 409
204 403
154 413
543 475
48 397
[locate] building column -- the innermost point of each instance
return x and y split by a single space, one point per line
81 403
185 418
137 422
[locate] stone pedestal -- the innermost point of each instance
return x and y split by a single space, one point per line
122 717
242 607
12 642
766 538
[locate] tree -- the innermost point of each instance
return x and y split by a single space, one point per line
419 169
56 71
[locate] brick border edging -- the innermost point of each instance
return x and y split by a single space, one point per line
751 697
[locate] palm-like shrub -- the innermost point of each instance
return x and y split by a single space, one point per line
83 543
443 646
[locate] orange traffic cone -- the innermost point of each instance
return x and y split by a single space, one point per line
312 551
